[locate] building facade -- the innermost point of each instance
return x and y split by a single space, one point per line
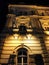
25 38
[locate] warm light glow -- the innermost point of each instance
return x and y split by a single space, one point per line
32 39
21 39
16 40
15 36
28 40
47 43
46 32
29 36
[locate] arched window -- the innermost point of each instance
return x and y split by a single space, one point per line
22 57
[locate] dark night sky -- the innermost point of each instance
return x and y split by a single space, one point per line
4 8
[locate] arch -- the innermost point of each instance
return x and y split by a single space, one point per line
22 46
22 56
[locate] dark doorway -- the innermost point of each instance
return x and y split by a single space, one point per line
39 59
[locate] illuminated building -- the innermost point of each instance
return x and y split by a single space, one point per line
25 38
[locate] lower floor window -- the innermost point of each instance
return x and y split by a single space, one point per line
22 57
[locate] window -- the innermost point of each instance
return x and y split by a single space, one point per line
22 57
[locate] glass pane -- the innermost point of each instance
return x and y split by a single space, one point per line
22 57
19 60
25 59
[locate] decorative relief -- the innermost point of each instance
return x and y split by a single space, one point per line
45 23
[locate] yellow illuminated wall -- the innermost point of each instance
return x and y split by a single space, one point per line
30 41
